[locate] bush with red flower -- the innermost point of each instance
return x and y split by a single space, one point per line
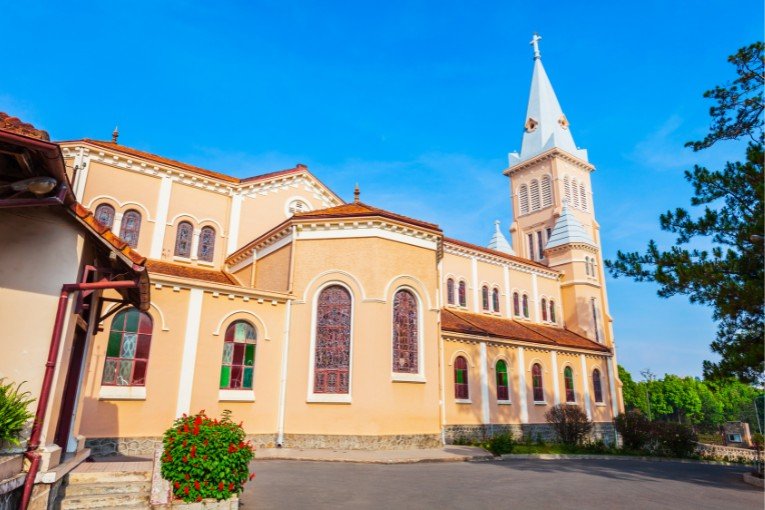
206 458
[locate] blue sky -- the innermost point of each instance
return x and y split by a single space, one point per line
418 102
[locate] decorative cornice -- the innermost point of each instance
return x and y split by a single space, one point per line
550 154
475 339
463 251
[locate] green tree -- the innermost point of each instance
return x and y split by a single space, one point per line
729 276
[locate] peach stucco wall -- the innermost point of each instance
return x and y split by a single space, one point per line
272 272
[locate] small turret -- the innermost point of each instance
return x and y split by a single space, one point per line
499 242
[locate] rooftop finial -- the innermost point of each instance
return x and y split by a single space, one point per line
496 225
535 43
356 194
115 134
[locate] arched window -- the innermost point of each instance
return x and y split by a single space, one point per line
534 195
567 189
536 383
568 380
127 351
544 309
574 187
503 390
105 215
495 299
333 341
406 333
297 206
552 312
523 198
462 294
526 306
516 304
583 196
587 265
546 191
183 236
450 291
592 267
206 249
461 379
596 386
131 227
238 365
485 298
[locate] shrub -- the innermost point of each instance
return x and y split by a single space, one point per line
757 440
674 439
14 412
634 428
570 422
500 444
206 458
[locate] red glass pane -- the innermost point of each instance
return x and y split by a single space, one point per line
333 341
236 377
145 324
139 374
238 354
142 349
405 333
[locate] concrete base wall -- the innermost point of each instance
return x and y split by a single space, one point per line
347 442
601 431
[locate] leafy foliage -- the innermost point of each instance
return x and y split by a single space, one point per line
728 277
14 411
634 428
500 444
206 458
673 439
570 422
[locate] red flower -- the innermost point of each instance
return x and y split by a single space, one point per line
198 420
184 459
196 484
231 486
231 448
187 476
199 498
252 476
177 485
220 486
186 427
196 430
185 443
193 451
185 489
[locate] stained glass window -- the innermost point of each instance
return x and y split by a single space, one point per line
516 304
552 312
333 341
238 364
544 309
183 239
131 227
127 350
405 333
503 392
462 294
568 379
526 306
596 386
485 297
536 383
105 215
450 291
206 248
461 378
495 299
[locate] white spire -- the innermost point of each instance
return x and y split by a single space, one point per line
499 242
568 230
546 126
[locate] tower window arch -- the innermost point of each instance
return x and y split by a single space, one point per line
525 302
238 363
206 249
516 305
552 312
333 341
503 387
568 379
462 293
582 196
406 334
523 199
485 298
495 299
546 191
131 227
534 190
597 387
450 291
127 351
105 215
543 306
461 391
536 383
183 236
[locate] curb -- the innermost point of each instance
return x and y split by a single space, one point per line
753 480
461 458
574 456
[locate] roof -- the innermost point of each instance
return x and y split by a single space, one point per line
498 254
468 323
15 125
499 241
568 230
192 272
86 215
361 210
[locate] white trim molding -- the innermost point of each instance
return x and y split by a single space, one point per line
188 360
225 395
122 393
522 387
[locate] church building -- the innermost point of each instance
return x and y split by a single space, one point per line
321 323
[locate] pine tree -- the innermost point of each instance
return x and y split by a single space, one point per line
729 276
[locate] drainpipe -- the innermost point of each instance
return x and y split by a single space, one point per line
50 367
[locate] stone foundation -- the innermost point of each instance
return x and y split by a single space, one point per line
601 431
348 442
129 446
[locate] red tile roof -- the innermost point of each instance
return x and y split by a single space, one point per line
118 244
359 209
15 125
467 323
498 253
193 272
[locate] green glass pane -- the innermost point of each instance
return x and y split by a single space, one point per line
118 322
113 347
225 376
110 371
460 377
247 381
131 320
249 355
501 367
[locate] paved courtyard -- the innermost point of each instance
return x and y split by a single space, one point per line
516 484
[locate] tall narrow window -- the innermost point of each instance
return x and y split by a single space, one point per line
597 388
546 191
549 233
567 189
523 199
461 379
503 390
544 309
238 365
485 298
540 244
105 215
530 239
536 383
552 312
516 304
450 291
587 265
183 239
127 351
206 249
333 341
592 267
462 291
526 306
568 379
534 190
595 319
131 227
582 196
406 334
575 195
495 299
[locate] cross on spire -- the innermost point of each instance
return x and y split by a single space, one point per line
535 43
